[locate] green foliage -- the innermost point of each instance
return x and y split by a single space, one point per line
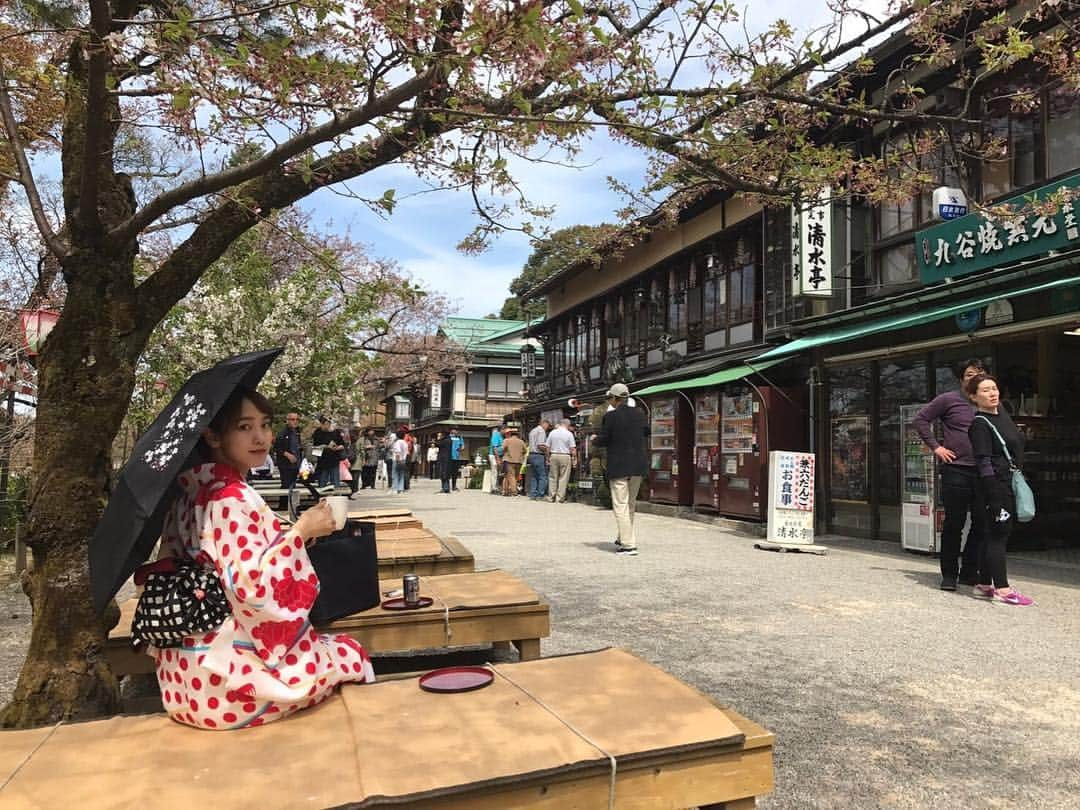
13 509
562 248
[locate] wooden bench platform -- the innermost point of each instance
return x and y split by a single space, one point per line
482 607
453 558
391 744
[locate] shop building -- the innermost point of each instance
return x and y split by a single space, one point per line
711 323
473 398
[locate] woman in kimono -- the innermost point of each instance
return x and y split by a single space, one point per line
265 661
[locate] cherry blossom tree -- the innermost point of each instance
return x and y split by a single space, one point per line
146 101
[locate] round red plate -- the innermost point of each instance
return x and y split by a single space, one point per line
399 603
456 679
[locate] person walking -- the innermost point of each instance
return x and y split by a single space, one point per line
399 458
354 455
562 453
495 451
388 456
954 411
457 448
998 447
328 467
538 466
444 449
514 452
624 432
368 456
433 456
410 458
287 446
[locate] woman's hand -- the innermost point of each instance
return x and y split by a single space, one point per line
318 521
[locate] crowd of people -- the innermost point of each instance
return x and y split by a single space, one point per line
357 457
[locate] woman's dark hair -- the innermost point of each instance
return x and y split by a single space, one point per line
230 413
963 366
973 384
400 434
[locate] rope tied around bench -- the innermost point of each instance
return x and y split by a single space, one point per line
26 759
588 740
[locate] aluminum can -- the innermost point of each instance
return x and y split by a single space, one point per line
410 588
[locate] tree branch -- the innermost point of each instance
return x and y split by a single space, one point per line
272 160
25 176
96 117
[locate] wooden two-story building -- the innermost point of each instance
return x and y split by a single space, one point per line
711 326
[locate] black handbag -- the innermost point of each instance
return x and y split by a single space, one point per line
347 564
180 598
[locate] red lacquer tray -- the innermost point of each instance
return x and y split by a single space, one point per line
456 679
399 603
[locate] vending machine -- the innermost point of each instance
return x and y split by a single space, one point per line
707 449
753 422
918 485
670 451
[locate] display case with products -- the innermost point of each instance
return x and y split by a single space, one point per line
918 526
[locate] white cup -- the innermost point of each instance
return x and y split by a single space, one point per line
339 505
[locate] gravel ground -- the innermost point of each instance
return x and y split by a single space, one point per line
882 690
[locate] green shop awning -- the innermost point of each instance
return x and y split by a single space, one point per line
716 378
903 321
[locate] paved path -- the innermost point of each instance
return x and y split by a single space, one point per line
883 691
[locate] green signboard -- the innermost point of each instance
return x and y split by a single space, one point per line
974 242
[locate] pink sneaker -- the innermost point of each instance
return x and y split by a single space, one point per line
983 590
1014 597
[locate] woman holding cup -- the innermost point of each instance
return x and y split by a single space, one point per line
264 661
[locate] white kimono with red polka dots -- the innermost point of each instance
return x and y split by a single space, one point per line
265 661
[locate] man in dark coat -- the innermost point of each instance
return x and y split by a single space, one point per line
445 461
287 450
624 432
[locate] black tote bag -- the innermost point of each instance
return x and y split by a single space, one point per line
347 564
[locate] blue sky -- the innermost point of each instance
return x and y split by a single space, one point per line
424 230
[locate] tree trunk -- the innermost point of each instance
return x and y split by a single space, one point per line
86 375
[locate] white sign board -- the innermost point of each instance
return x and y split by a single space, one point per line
791 497
436 396
815 246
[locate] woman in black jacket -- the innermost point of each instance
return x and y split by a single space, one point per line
990 428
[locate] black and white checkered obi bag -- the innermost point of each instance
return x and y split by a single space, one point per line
180 598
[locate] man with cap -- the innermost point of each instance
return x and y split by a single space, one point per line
624 432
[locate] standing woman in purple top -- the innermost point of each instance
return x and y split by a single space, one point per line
959 481
989 429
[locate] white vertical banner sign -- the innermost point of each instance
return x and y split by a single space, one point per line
796 253
815 246
436 395
791 497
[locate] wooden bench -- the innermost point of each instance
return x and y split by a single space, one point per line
453 558
391 744
482 607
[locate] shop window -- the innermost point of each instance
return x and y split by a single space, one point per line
849 448
676 319
476 384
594 338
657 312
503 385
715 305
896 267
1062 132
1012 118
900 382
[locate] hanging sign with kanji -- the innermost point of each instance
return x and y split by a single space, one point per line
791 497
976 242
814 261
